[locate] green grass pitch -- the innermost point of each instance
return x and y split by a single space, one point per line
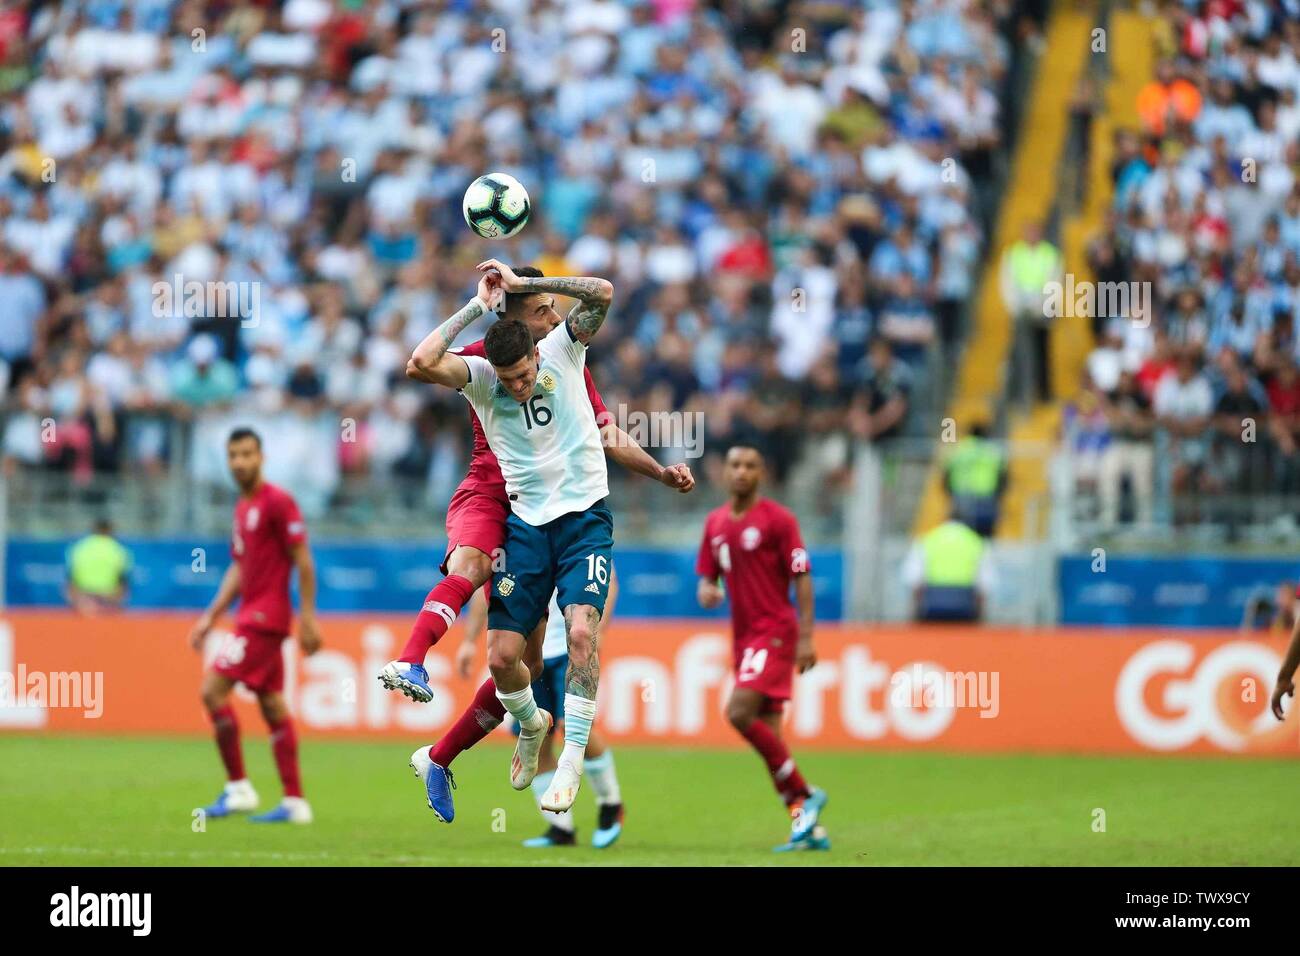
128 801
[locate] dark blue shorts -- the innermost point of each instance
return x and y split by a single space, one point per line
548 690
573 554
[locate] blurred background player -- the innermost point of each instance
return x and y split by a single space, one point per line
268 540
754 544
475 535
99 571
548 691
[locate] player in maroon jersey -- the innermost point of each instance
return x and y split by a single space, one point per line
267 542
476 518
754 545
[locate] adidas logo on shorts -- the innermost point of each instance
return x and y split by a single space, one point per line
592 588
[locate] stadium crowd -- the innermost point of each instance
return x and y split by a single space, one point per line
786 198
1196 392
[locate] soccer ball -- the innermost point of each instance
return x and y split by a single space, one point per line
496 206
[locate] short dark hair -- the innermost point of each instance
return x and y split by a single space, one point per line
507 342
747 446
239 434
524 272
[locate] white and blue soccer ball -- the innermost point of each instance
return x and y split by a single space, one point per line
496 206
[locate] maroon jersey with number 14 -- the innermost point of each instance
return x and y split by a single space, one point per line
757 554
267 525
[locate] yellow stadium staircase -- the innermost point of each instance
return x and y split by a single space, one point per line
1032 195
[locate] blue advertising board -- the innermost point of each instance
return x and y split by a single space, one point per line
1176 592
367 577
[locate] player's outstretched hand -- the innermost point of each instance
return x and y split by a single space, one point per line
709 595
200 630
510 281
490 289
465 655
309 638
1285 688
679 477
805 658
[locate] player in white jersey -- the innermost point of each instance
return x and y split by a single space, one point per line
533 404
548 690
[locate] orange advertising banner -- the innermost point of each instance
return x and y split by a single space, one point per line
1067 690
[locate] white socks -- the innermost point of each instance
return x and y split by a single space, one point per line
600 771
520 705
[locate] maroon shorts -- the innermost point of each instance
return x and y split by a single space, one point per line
253 659
475 520
765 664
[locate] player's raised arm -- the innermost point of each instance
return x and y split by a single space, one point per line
594 295
430 361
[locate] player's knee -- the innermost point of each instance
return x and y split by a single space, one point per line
472 564
740 714
501 658
273 709
214 698
582 642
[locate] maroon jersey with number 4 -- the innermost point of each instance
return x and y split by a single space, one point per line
267 525
757 554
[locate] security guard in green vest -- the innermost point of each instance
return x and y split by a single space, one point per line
1027 269
98 571
975 477
949 572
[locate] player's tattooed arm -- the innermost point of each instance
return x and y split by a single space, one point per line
584 661
430 361
593 294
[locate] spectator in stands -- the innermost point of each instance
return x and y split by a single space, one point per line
321 153
1240 428
1168 97
1130 453
205 378
949 572
99 570
1183 403
1028 265
880 408
1284 424
975 477
1085 430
